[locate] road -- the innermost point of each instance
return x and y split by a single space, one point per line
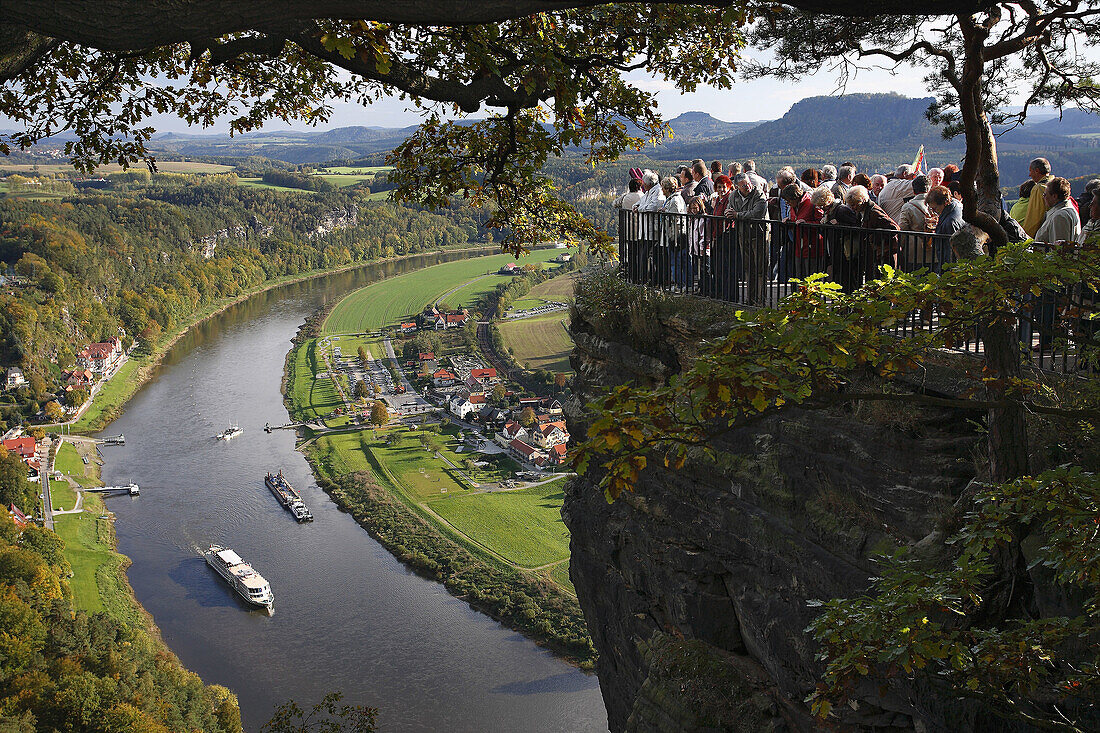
44 468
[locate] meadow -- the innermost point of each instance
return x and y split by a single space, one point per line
358 170
523 526
399 298
312 397
111 396
99 573
557 289
539 343
258 183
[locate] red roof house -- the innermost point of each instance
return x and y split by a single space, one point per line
23 446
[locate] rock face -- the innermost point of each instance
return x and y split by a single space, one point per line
695 585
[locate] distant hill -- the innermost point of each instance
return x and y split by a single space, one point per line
1073 122
854 122
697 126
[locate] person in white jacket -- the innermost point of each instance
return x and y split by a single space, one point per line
649 226
1062 224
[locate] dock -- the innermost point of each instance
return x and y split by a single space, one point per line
132 489
119 439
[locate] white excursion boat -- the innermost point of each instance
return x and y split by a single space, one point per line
230 432
249 584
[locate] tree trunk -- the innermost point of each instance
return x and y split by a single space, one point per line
980 176
1009 591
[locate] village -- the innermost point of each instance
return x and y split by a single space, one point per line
417 387
95 364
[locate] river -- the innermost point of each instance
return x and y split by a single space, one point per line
347 615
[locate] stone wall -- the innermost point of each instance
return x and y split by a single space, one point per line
695 586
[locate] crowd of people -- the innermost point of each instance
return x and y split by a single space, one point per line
733 230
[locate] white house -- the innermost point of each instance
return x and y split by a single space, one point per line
15 378
549 435
512 431
100 357
463 403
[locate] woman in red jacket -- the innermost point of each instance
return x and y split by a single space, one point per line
809 252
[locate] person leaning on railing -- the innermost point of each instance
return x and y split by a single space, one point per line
698 245
878 246
946 214
668 256
1060 225
648 210
807 253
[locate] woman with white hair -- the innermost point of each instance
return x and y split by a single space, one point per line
935 177
669 255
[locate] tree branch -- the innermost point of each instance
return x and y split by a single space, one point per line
130 25
469 96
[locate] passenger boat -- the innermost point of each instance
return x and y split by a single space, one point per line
249 584
230 432
288 496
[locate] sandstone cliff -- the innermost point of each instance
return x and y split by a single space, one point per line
695 586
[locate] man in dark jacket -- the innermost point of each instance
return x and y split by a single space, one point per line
880 246
748 207
703 185
949 215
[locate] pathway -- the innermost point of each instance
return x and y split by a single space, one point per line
44 478
459 287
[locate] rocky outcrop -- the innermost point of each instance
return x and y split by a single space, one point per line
209 243
339 218
695 586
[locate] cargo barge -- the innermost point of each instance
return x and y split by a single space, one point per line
288 496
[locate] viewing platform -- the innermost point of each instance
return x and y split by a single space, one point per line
753 263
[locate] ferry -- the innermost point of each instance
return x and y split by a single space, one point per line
288 496
230 432
249 584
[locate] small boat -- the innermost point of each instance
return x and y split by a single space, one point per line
249 584
230 432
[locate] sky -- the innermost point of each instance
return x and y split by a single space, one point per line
746 102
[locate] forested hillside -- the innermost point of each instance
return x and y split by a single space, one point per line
64 670
140 259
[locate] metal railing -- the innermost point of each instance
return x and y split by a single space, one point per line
752 263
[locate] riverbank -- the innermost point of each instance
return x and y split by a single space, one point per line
505 552
113 396
98 583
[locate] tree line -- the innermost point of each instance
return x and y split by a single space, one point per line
131 262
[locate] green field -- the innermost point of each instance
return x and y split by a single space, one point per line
98 581
523 526
312 397
557 289
361 170
539 343
167 166
468 295
399 298
62 495
111 396
560 575
68 461
344 181
258 183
